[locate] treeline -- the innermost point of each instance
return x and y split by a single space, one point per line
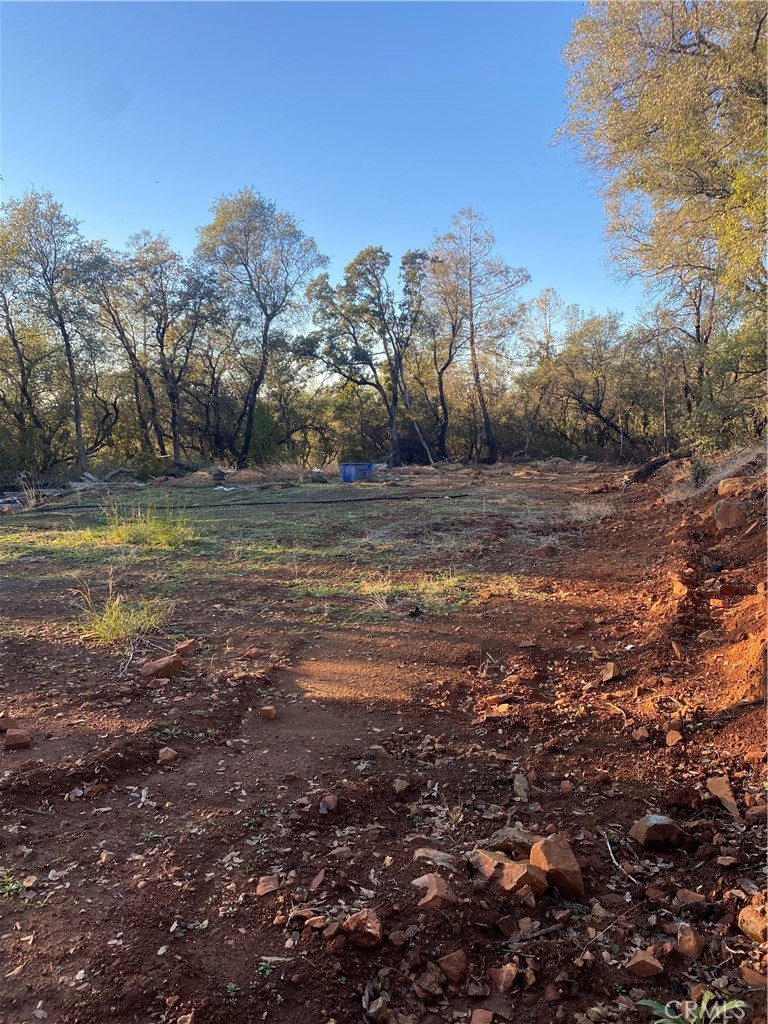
248 353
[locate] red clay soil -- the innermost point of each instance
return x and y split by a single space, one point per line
213 889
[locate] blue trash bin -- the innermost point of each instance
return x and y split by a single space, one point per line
352 471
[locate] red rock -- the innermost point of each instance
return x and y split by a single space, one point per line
268 711
188 647
610 672
688 898
566 787
516 876
644 965
97 789
331 930
657 831
398 939
329 804
481 1017
318 880
729 515
513 840
17 739
439 895
556 859
641 734
508 874
551 993
429 984
266 884
720 786
7 723
163 668
501 979
363 929
690 943
455 966
378 1011
753 978
674 737
166 755
757 814
752 922
732 485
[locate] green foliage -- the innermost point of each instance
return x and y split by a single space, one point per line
115 620
690 1012
700 472
666 102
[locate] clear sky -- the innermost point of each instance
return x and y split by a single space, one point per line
372 122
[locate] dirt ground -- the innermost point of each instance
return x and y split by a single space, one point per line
448 654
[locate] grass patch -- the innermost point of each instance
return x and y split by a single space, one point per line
115 620
160 529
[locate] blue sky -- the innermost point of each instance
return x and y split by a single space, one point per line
372 122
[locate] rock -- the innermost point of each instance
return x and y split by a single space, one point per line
501 979
329 804
317 881
439 895
429 984
398 939
455 966
7 723
689 898
266 884
690 943
513 840
378 1010
674 737
556 859
97 789
186 1018
521 787
752 922
643 965
400 786
657 831
756 815
17 739
437 857
188 647
732 485
566 787
551 993
753 978
517 876
720 787
640 735
363 929
163 668
610 672
729 515
510 875
481 1017
268 711
331 931
166 755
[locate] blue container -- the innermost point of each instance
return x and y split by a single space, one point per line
351 471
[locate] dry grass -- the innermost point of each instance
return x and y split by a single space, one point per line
114 620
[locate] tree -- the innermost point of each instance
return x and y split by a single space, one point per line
42 250
667 104
264 261
477 293
364 330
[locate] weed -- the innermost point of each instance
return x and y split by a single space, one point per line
10 886
159 529
586 512
115 619
700 472
691 1012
